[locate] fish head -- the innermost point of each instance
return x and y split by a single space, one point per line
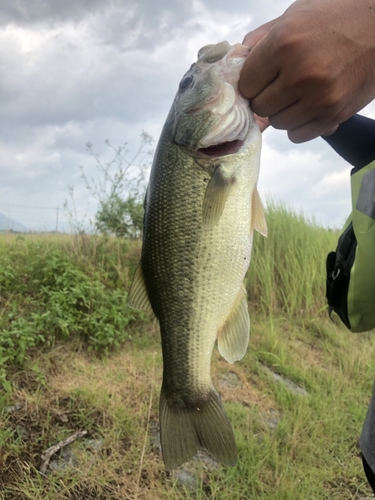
209 114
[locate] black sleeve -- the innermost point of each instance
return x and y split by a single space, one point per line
354 140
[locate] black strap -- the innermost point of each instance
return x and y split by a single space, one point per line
339 265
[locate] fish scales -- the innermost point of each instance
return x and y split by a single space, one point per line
186 267
192 269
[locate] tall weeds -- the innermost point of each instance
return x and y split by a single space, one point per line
287 269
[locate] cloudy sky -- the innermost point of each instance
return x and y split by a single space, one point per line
91 70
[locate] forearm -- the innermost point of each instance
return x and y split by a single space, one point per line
354 140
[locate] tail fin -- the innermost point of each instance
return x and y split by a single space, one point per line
184 431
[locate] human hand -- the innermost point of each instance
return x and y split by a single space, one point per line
313 67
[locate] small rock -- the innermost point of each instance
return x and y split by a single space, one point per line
207 459
65 461
59 415
155 436
67 454
272 419
94 444
230 379
59 465
186 478
13 408
291 386
23 433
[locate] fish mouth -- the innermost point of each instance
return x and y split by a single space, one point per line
222 149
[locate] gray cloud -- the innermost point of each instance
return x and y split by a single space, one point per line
87 70
26 13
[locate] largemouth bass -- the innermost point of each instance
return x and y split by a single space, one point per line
201 208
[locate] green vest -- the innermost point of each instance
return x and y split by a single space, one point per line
351 269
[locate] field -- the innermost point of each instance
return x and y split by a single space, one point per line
76 362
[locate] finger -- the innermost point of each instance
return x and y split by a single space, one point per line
253 37
258 71
302 134
311 130
323 114
292 117
330 131
274 99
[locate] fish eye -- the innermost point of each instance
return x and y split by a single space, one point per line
185 83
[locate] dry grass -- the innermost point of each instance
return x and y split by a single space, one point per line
115 399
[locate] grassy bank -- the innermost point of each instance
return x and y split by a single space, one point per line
75 358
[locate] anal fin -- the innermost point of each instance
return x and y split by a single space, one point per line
233 337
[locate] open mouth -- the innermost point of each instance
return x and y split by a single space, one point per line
225 148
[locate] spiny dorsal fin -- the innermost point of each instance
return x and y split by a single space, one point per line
233 337
215 198
258 219
138 297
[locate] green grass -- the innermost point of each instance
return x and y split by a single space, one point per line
71 377
287 272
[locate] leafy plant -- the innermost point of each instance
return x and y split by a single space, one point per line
46 296
120 217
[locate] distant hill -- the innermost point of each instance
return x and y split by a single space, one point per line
8 224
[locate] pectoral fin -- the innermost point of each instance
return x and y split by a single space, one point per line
138 297
233 338
258 219
215 198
